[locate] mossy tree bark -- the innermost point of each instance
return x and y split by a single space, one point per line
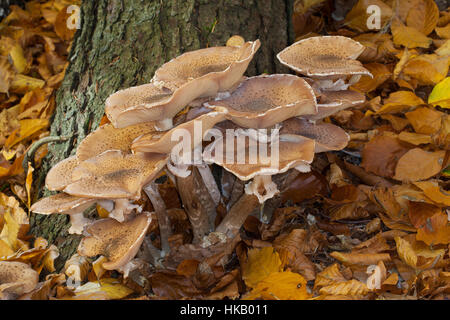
122 42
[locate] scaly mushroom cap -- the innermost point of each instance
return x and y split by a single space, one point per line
328 137
177 83
293 151
61 203
107 138
331 102
16 278
119 242
263 101
223 65
163 143
114 174
324 56
61 174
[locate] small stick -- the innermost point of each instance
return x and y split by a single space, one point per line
35 146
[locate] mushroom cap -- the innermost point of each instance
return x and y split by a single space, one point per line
332 102
324 56
17 278
327 136
107 138
293 151
61 174
114 174
163 143
119 242
61 203
177 83
263 101
224 65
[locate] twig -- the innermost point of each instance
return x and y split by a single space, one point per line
35 146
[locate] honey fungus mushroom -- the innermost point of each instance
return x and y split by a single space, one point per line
329 60
263 101
118 242
192 75
246 161
16 278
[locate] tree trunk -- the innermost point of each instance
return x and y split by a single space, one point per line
122 42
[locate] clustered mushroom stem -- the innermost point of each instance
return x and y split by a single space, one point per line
163 219
153 252
198 204
210 182
164 125
237 215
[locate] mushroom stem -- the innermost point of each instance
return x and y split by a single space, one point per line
263 187
122 209
164 125
237 215
78 222
163 219
198 204
210 182
153 253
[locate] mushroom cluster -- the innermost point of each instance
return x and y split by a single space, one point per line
221 117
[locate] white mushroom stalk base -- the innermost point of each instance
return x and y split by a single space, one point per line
164 125
123 209
262 187
210 182
78 222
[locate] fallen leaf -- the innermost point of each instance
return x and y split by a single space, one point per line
260 264
350 288
423 16
425 120
435 231
440 96
408 37
418 164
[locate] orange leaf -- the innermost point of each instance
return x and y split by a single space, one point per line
347 288
417 164
423 16
408 37
435 231
433 191
425 120
260 264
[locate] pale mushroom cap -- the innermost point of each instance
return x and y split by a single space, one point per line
143 95
61 203
119 242
114 174
328 137
107 138
263 101
195 74
324 56
293 150
17 278
212 61
164 142
61 174
332 102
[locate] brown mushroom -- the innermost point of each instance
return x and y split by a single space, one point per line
327 136
107 138
192 75
331 102
66 204
16 278
114 174
61 174
263 101
239 157
118 242
327 58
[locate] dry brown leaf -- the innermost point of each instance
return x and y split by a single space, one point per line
409 37
433 191
425 120
418 164
436 230
399 101
423 16
360 258
346 288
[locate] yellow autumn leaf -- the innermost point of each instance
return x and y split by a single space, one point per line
360 258
433 191
367 84
260 264
347 288
280 286
423 16
400 101
6 75
5 249
425 120
406 252
110 288
444 50
444 32
329 276
28 182
417 164
357 17
28 127
414 138
409 37
21 83
440 96
428 69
